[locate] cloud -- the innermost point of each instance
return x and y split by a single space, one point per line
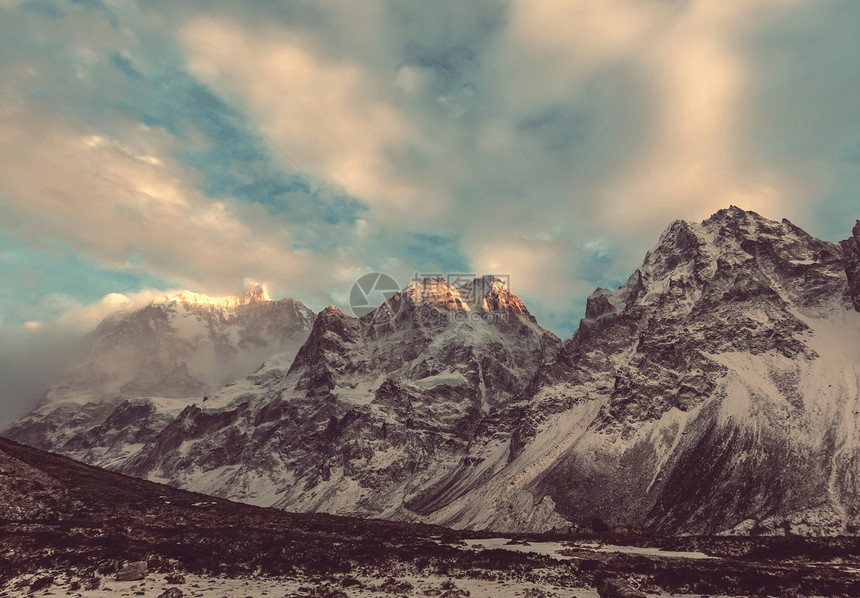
674 82
85 317
690 160
198 145
571 40
32 359
322 113
114 200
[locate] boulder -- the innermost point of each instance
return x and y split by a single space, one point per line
132 571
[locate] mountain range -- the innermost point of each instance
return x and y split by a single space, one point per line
716 391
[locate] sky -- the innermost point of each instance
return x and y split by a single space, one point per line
156 145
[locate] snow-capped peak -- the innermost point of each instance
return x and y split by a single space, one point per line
256 293
193 299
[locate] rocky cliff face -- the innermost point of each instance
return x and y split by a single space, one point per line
145 366
717 390
851 247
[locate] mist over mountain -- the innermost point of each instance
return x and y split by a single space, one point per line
164 356
716 391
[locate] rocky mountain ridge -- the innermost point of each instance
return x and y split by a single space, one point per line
716 391
367 408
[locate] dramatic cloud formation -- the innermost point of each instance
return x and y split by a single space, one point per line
156 145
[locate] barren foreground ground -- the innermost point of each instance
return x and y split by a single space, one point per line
66 528
196 586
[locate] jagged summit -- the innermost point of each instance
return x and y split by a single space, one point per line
492 294
733 254
256 292
734 213
433 291
436 295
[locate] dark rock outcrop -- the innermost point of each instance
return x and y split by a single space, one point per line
851 247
